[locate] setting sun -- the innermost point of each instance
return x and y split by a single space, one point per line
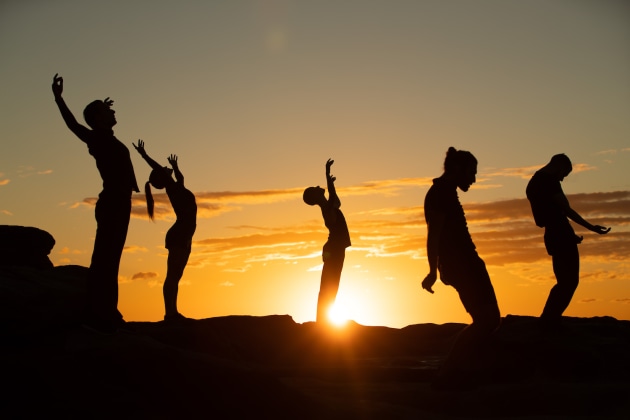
338 314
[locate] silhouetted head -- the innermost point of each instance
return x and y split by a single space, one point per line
99 115
313 195
561 165
158 178
461 166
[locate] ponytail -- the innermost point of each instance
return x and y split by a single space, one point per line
149 196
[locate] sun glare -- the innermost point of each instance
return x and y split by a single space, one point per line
338 315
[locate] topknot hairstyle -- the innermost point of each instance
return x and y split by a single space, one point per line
457 159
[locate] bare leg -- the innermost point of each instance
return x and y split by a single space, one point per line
329 286
566 267
176 263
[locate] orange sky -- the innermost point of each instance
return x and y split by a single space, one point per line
255 96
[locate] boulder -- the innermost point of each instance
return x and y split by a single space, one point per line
25 246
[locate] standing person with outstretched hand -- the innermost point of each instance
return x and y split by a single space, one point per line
334 251
179 236
552 211
113 208
451 250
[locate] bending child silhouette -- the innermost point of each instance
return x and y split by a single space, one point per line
179 236
334 251
450 249
552 211
113 208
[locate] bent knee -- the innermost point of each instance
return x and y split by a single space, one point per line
488 319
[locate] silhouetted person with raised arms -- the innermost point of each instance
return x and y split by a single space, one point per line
334 251
179 236
552 211
451 251
113 207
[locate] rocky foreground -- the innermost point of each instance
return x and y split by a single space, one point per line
271 367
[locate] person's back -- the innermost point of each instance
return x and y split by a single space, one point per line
183 202
338 234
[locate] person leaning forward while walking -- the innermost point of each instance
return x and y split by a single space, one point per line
551 210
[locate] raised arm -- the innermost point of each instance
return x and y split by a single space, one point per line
140 148
333 198
79 130
172 159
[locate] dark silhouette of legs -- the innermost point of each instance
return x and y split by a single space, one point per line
331 277
175 265
566 267
471 348
112 219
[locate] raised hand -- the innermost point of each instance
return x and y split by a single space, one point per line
108 102
172 159
57 85
328 165
140 147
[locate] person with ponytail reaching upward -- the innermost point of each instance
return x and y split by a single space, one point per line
179 236
451 251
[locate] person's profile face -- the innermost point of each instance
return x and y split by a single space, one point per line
467 176
106 116
564 173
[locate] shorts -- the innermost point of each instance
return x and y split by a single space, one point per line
469 276
179 236
559 239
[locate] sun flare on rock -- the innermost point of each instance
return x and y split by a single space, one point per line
338 315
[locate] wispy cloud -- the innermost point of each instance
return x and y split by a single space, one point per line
588 300
67 251
144 275
132 249
613 151
26 171
526 172
4 182
213 204
503 231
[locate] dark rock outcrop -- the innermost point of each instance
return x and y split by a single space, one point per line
25 246
272 367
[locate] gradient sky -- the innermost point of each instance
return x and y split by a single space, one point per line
255 96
